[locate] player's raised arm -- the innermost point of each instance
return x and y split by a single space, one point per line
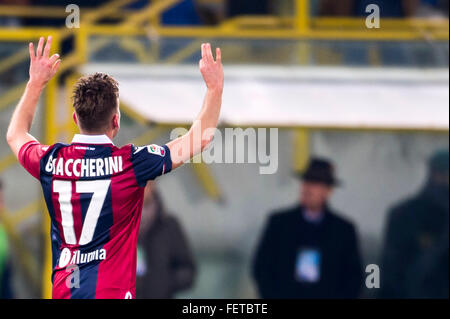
190 144
42 69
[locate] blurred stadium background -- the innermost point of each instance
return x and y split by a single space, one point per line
375 101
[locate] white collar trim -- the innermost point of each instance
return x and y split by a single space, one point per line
91 139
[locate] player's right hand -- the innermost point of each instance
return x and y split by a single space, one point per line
43 67
212 71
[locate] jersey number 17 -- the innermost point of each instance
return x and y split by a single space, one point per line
99 190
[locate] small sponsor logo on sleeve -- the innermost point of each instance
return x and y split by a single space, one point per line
156 149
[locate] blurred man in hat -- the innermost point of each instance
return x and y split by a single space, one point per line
308 251
415 259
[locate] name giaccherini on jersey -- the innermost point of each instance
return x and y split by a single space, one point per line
85 167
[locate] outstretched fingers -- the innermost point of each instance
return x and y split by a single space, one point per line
55 66
40 47
206 53
47 47
203 51
218 55
31 49
53 58
209 56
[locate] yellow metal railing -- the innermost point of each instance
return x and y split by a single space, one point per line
48 12
301 25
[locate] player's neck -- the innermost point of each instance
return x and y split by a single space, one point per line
109 134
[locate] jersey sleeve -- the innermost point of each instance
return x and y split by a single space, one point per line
150 161
30 156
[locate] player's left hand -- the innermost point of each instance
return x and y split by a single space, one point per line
43 67
212 71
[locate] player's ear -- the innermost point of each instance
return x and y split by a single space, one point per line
116 121
75 118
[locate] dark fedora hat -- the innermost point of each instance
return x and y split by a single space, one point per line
319 170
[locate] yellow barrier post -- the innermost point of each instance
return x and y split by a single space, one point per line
302 16
207 182
50 137
301 149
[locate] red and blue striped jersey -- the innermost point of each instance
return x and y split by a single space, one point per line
94 194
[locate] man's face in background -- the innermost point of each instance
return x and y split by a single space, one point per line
314 195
